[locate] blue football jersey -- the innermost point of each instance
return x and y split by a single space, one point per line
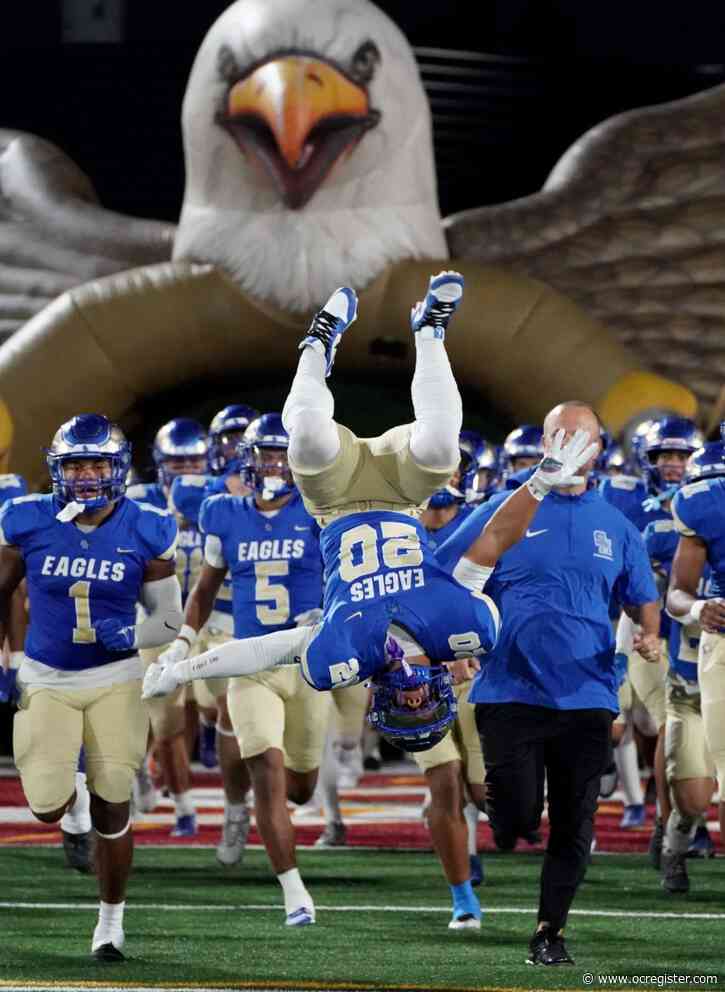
190 546
12 486
517 479
187 494
661 539
699 511
380 571
441 535
274 562
554 589
76 578
628 494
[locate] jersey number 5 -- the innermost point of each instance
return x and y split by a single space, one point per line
83 632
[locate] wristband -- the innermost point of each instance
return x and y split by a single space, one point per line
695 612
537 487
471 575
187 634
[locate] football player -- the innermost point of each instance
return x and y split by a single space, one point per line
270 545
523 449
181 447
698 514
484 481
89 555
217 739
385 594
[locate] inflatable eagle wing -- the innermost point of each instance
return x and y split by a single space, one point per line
309 165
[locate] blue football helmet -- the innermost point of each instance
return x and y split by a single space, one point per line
267 478
223 448
182 438
411 729
669 434
92 436
525 441
486 460
708 462
468 442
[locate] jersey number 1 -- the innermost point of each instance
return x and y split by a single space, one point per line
83 632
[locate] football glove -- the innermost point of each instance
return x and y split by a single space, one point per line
560 466
176 651
159 680
114 635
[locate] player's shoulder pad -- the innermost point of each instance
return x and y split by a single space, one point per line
13 485
621 483
140 491
659 527
215 512
23 514
156 528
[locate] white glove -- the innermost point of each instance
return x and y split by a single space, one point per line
176 651
309 618
160 680
561 464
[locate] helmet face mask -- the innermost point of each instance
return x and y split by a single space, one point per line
181 447
225 434
88 461
263 453
413 706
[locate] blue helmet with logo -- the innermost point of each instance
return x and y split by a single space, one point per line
468 442
182 438
669 434
486 462
223 444
525 441
412 729
266 477
708 462
89 436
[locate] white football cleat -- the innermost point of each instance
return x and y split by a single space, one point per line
330 323
466 922
303 916
429 317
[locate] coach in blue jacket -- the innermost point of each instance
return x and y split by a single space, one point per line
547 693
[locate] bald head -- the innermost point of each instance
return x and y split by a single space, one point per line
570 417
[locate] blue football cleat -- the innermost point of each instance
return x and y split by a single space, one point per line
429 317
329 324
301 917
701 845
185 826
633 816
476 865
207 745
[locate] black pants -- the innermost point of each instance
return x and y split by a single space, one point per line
519 742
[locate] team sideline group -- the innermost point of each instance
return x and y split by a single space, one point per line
506 615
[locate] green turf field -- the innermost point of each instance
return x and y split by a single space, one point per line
382 923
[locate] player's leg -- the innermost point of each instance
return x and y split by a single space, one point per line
208 717
75 825
257 710
711 672
47 738
436 400
168 722
347 718
236 782
114 735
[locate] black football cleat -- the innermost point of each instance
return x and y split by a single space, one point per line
108 954
79 851
548 947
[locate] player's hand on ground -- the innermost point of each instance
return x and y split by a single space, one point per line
178 650
114 635
309 618
159 680
463 669
648 646
712 618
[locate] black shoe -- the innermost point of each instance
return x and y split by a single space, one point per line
655 844
108 954
372 764
79 850
548 947
674 873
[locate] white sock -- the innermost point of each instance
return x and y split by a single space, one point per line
308 415
295 893
470 811
77 820
235 811
678 832
437 406
109 928
625 758
183 804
